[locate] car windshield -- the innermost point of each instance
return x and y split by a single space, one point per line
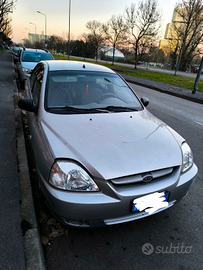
36 56
79 92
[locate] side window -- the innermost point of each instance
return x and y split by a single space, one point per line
32 79
36 83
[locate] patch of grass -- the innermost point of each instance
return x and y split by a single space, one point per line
65 57
181 81
178 80
1 51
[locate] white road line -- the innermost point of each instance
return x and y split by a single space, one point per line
199 123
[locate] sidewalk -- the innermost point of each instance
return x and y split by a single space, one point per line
11 245
20 245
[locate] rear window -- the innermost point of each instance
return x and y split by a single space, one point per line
36 56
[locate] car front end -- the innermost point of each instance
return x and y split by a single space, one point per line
96 182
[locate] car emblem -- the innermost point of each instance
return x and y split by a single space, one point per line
147 177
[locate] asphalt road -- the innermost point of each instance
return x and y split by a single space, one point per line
173 238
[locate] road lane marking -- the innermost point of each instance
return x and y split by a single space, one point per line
199 123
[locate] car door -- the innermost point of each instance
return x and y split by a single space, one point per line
34 91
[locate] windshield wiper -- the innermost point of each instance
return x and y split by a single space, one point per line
118 108
78 110
107 109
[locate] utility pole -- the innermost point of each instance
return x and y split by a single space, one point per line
198 77
69 31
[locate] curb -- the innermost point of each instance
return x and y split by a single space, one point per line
34 256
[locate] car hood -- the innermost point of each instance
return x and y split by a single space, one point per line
29 65
112 145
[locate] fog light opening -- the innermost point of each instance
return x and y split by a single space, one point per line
76 223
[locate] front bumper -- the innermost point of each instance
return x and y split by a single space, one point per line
111 205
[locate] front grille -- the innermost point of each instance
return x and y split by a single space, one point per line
143 177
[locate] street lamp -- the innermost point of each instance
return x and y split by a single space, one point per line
69 30
45 25
34 25
35 39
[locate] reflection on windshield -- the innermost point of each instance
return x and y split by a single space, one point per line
89 90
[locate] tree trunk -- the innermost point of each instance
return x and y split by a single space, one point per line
136 49
113 53
96 53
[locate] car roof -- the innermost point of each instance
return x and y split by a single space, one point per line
55 65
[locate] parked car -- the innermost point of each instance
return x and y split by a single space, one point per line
102 158
16 54
27 61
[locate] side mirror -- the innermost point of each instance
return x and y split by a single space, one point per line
27 105
145 101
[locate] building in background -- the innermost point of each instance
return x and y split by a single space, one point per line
169 43
170 38
107 52
36 37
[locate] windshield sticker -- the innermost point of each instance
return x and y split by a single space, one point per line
64 78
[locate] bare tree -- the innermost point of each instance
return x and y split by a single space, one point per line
6 7
6 29
56 44
187 31
143 23
27 43
115 31
96 35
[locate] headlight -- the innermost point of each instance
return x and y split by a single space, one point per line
26 70
69 176
187 157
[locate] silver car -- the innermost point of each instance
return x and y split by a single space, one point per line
27 60
101 157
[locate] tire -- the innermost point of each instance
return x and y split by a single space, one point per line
22 84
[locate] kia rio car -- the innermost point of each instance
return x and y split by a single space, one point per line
102 158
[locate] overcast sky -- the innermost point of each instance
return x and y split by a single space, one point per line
82 11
